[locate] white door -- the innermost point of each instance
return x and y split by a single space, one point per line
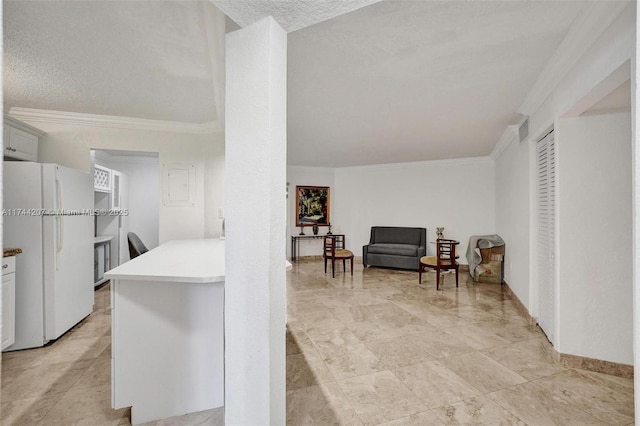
546 213
68 248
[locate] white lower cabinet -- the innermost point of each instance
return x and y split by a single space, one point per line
8 301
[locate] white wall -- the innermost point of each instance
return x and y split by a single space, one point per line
612 49
608 53
143 195
69 145
213 189
255 166
512 214
455 194
595 285
307 176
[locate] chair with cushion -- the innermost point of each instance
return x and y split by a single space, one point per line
334 250
136 246
444 260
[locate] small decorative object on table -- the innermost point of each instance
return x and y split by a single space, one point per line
301 229
315 229
329 233
440 233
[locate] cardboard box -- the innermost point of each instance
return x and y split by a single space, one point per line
490 269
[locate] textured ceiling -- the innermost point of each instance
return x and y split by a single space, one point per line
405 81
384 82
292 15
143 59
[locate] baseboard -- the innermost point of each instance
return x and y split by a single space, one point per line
572 361
597 365
520 307
356 259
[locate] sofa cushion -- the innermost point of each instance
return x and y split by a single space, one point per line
397 235
397 249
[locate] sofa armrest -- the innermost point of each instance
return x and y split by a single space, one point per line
365 252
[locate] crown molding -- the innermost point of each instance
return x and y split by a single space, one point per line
33 115
509 135
588 26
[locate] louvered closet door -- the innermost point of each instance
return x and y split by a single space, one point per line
546 235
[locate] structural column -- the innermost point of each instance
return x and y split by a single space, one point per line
255 217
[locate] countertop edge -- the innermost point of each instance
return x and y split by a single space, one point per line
166 278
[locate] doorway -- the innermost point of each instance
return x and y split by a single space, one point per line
129 202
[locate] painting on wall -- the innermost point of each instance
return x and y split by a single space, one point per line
312 205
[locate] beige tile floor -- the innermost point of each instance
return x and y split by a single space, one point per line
380 349
375 348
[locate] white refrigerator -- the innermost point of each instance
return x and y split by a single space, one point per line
47 213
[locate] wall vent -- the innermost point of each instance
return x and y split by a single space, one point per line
523 131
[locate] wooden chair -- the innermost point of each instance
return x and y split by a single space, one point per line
334 249
444 260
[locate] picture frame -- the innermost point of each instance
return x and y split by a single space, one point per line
312 205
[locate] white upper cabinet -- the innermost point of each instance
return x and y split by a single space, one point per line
116 190
20 141
101 179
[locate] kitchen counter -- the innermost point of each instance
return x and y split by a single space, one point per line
167 313
184 261
11 252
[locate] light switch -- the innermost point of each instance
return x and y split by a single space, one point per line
220 213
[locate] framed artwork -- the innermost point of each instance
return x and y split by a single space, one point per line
312 205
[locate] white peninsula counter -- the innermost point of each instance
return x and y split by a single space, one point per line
167 309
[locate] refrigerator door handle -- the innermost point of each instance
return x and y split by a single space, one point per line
60 220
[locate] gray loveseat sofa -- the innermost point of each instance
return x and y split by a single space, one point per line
395 247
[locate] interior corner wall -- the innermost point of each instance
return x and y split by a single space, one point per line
307 176
595 280
610 51
214 188
455 194
70 145
512 214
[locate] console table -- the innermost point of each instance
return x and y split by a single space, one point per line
295 242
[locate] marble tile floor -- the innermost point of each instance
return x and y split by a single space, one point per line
372 349
68 382
380 349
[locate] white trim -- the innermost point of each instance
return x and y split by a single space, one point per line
509 135
111 121
8 120
136 159
103 158
617 78
445 162
592 21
